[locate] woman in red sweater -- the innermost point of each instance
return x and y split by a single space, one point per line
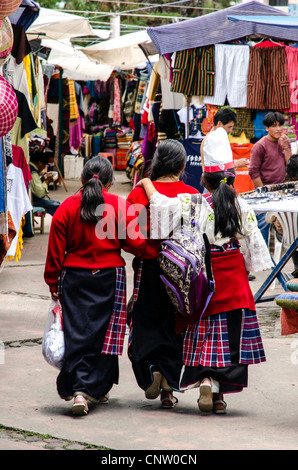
155 350
85 270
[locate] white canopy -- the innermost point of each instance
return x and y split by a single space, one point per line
74 63
58 25
123 52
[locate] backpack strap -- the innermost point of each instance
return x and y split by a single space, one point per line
196 200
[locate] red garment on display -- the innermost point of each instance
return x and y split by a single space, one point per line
243 182
19 160
269 43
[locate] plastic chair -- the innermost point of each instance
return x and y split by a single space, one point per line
110 156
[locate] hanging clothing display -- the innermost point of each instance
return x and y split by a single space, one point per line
193 169
24 124
292 62
6 240
194 71
18 202
171 99
231 70
244 124
19 160
243 182
268 83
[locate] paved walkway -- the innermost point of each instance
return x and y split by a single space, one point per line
32 416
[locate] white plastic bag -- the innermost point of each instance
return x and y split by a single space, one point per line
53 338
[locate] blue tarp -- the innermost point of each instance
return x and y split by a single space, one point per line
216 27
285 21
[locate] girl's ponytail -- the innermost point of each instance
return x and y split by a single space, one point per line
97 173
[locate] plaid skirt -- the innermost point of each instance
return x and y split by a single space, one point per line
207 344
220 346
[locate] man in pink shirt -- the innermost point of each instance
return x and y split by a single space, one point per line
269 157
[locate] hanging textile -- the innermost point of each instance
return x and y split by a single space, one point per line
292 62
194 72
231 65
193 169
244 124
117 103
144 77
6 240
3 203
268 83
18 203
243 182
24 124
170 99
19 160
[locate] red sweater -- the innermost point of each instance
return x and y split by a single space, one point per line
138 197
79 244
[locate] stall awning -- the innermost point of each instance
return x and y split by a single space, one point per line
122 52
283 21
74 63
58 25
216 27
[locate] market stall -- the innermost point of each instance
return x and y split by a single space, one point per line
221 48
37 111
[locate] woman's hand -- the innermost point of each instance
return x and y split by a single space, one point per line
143 182
55 296
148 186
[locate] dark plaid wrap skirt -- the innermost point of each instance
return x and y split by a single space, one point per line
94 312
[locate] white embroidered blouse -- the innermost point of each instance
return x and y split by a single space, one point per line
166 214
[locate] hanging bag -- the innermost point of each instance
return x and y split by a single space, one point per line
53 338
185 262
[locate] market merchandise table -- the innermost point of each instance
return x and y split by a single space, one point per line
284 205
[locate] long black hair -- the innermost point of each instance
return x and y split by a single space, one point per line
169 159
225 203
97 173
292 168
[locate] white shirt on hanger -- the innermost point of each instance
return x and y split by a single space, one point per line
18 202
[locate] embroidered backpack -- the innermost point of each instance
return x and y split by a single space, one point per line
185 262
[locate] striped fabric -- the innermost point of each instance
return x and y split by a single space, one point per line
293 285
121 159
208 343
73 106
144 77
268 84
135 295
8 7
194 72
288 300
114 338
